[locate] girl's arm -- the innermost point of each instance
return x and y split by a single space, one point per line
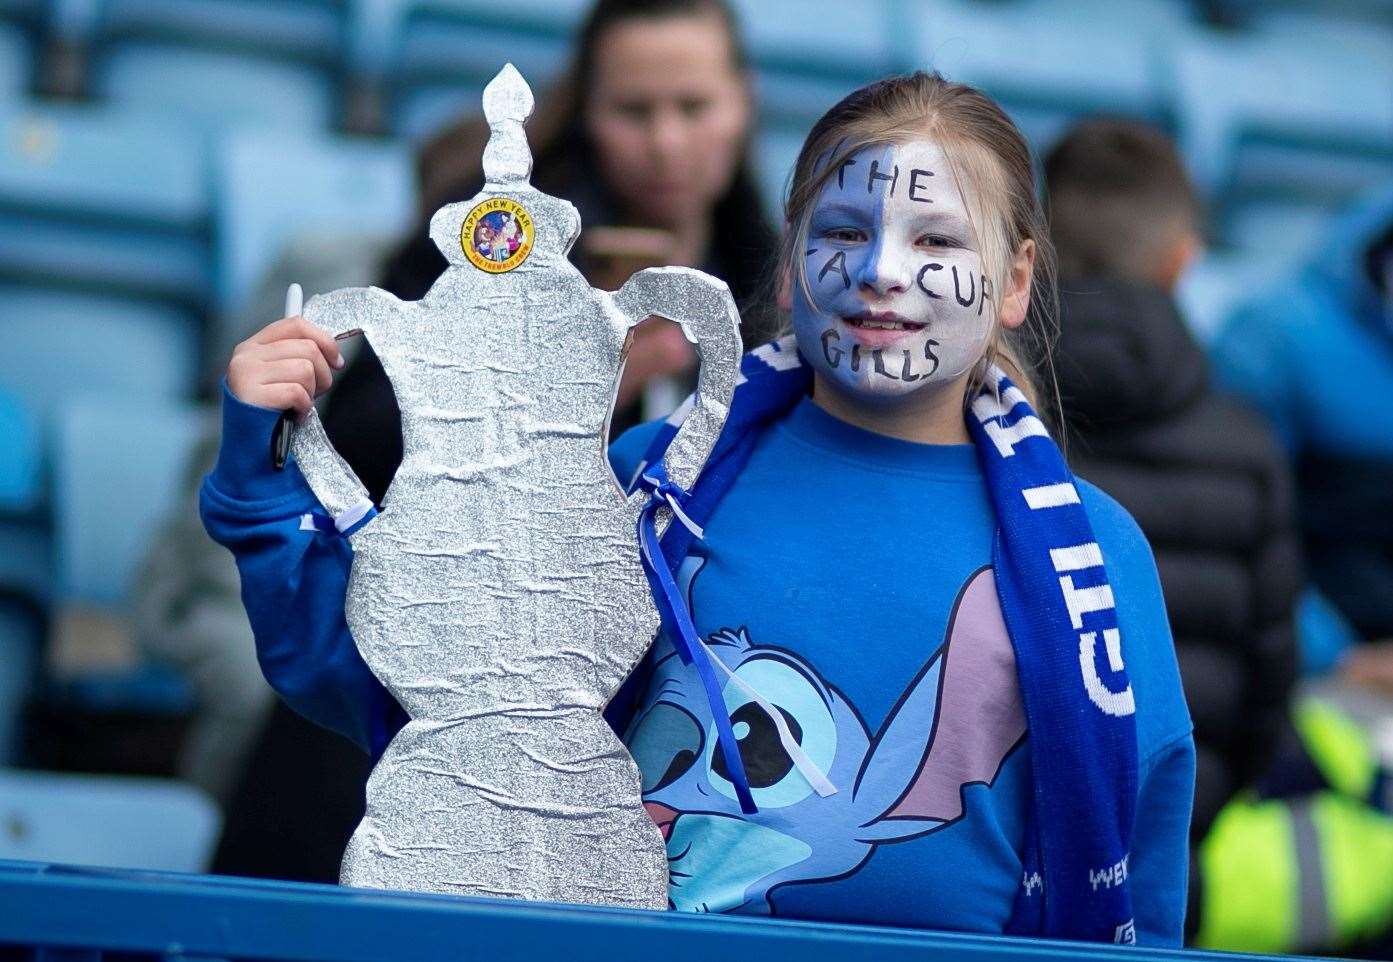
294 578
1159 864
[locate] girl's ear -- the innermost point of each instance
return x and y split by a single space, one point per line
1016 303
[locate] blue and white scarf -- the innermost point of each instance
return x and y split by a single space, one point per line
1057 605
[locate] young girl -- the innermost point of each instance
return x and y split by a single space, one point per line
950 695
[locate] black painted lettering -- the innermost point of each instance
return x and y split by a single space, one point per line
914 175
905 373
986 294
811 252
876 175
920 279
833 354
930 356
880 365
836 262
841 171
855 357
971 288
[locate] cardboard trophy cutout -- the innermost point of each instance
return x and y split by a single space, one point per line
499 594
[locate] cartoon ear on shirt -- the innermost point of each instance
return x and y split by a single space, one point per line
959 719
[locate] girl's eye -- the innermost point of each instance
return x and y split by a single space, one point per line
938 240
693 107
847 235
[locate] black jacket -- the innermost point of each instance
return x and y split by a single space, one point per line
1209 486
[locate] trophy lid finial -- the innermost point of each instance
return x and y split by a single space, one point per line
508 103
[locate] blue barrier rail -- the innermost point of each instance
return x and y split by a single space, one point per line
62 912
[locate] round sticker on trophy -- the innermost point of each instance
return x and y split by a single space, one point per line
497 235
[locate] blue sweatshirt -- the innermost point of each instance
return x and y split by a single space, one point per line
845 578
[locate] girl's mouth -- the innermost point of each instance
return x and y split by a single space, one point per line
881 328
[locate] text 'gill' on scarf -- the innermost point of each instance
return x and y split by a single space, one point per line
1058 608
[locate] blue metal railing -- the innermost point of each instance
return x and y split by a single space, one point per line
51 912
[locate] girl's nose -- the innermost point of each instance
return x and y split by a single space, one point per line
884 274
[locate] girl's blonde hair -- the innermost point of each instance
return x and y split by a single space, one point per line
991 163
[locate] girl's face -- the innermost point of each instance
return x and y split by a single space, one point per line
900 298
668 115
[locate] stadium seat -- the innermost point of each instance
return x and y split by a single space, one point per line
1296 120
106 821
119 468
16 61
62 345
269 188
215 62
215 88
807 54
19 454
99 199
775 151
310 30
431 58
1049 61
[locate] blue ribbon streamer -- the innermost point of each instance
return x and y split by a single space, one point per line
324 523
673 611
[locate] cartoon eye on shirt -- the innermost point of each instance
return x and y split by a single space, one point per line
900 783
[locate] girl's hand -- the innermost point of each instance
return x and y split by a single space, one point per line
284 366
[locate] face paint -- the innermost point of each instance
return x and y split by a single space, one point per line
899 297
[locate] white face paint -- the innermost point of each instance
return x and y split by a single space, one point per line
900 300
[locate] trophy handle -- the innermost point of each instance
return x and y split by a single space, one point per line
333 482
702 305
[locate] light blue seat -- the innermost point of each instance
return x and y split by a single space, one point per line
120 466
821 36
216 88
443 70
434 56
310 30
271 188
97 198
119 469
1049 61
212 62
775 152
1304 121
19 454
107 821
16 61
62 345
808 54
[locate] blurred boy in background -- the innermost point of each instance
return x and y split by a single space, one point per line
1210 486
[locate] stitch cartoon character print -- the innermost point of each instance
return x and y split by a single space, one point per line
899 783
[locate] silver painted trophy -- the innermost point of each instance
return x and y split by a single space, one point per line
499 594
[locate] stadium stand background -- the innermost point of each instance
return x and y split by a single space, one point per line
156 154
